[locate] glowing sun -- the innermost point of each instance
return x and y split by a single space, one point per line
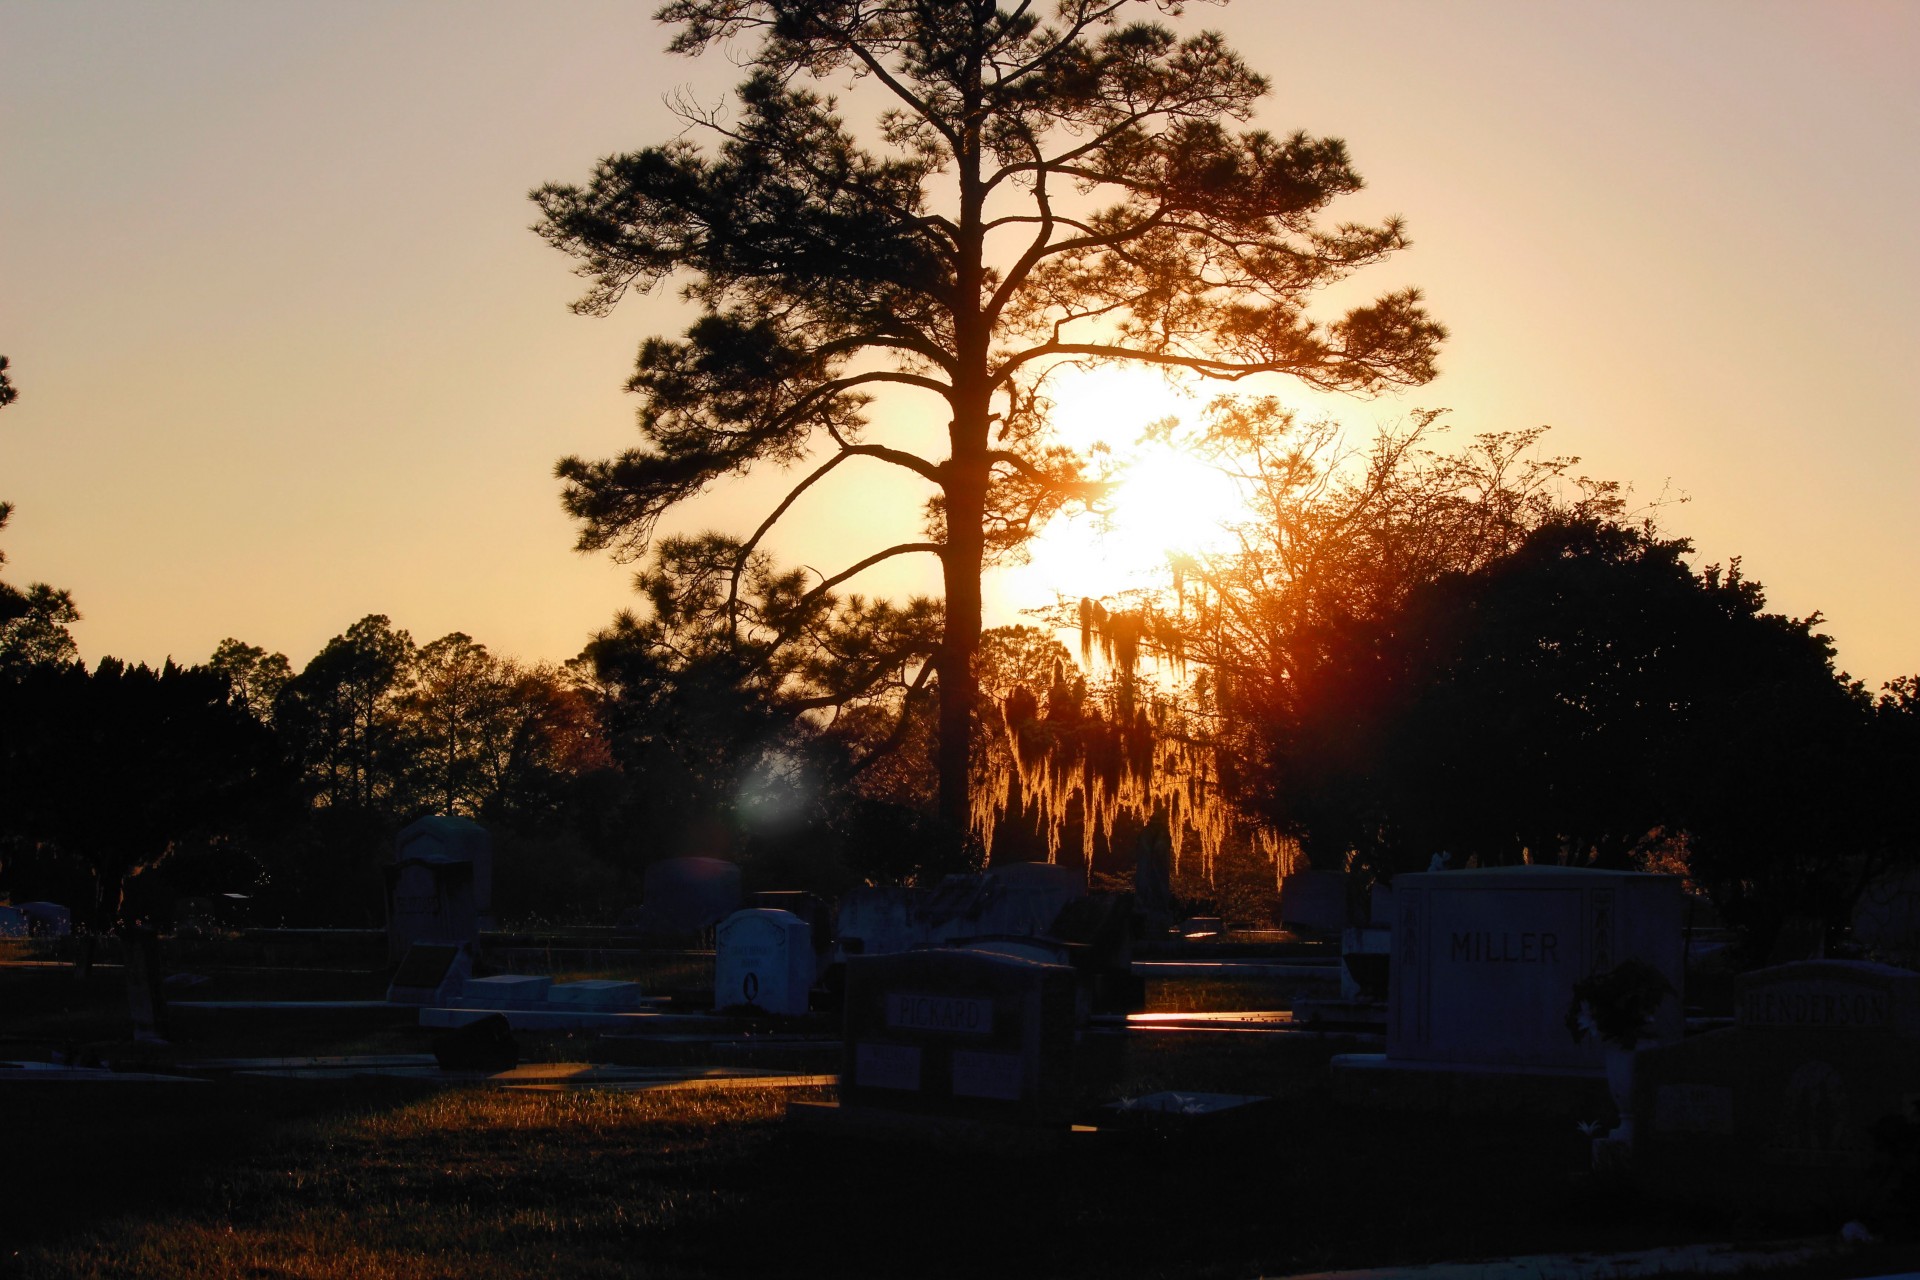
1164 502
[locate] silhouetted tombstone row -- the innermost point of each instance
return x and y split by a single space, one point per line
1020 899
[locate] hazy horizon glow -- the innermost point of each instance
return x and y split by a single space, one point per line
288 354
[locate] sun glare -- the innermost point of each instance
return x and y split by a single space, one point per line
1165 501
1169 502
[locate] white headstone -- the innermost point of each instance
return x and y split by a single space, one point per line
1484 961
763 960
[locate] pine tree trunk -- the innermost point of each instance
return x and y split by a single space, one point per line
961 562
957 647
965 487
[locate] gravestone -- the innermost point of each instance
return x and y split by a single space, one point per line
1366 963
1886 918
430 900
1484 961
1480 978
687 896
1784 1106
1101 927
763 959
146 995
1153 880
504 991
13 922
1020 899
809 907
1314 902
430 973
436 839
966 1034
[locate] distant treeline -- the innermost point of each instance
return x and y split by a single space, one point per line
1410 653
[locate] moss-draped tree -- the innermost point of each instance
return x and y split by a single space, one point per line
1037 189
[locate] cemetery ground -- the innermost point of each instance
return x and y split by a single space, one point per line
406 1177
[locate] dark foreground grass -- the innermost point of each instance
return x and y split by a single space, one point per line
256 1180
242 1178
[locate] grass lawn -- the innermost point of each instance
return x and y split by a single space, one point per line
372 1179
256 1178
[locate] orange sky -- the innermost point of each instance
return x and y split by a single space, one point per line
288 354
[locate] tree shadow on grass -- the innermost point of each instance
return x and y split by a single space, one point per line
1304 1186
84 1154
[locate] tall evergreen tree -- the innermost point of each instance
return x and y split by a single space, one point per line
1036 193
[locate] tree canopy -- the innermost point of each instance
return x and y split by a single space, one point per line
1033 192
123 765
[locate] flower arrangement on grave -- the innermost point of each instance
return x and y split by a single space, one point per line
1618 1005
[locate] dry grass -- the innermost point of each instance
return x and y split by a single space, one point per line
470 1183
1209 995
383 1181
387 1178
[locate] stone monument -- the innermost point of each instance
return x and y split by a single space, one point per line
682 896
449 840
1483 966
968 1034
431 893
1314 902
1020 899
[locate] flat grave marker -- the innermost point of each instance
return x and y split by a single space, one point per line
504 991
595 993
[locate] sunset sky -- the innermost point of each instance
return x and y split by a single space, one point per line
289 355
